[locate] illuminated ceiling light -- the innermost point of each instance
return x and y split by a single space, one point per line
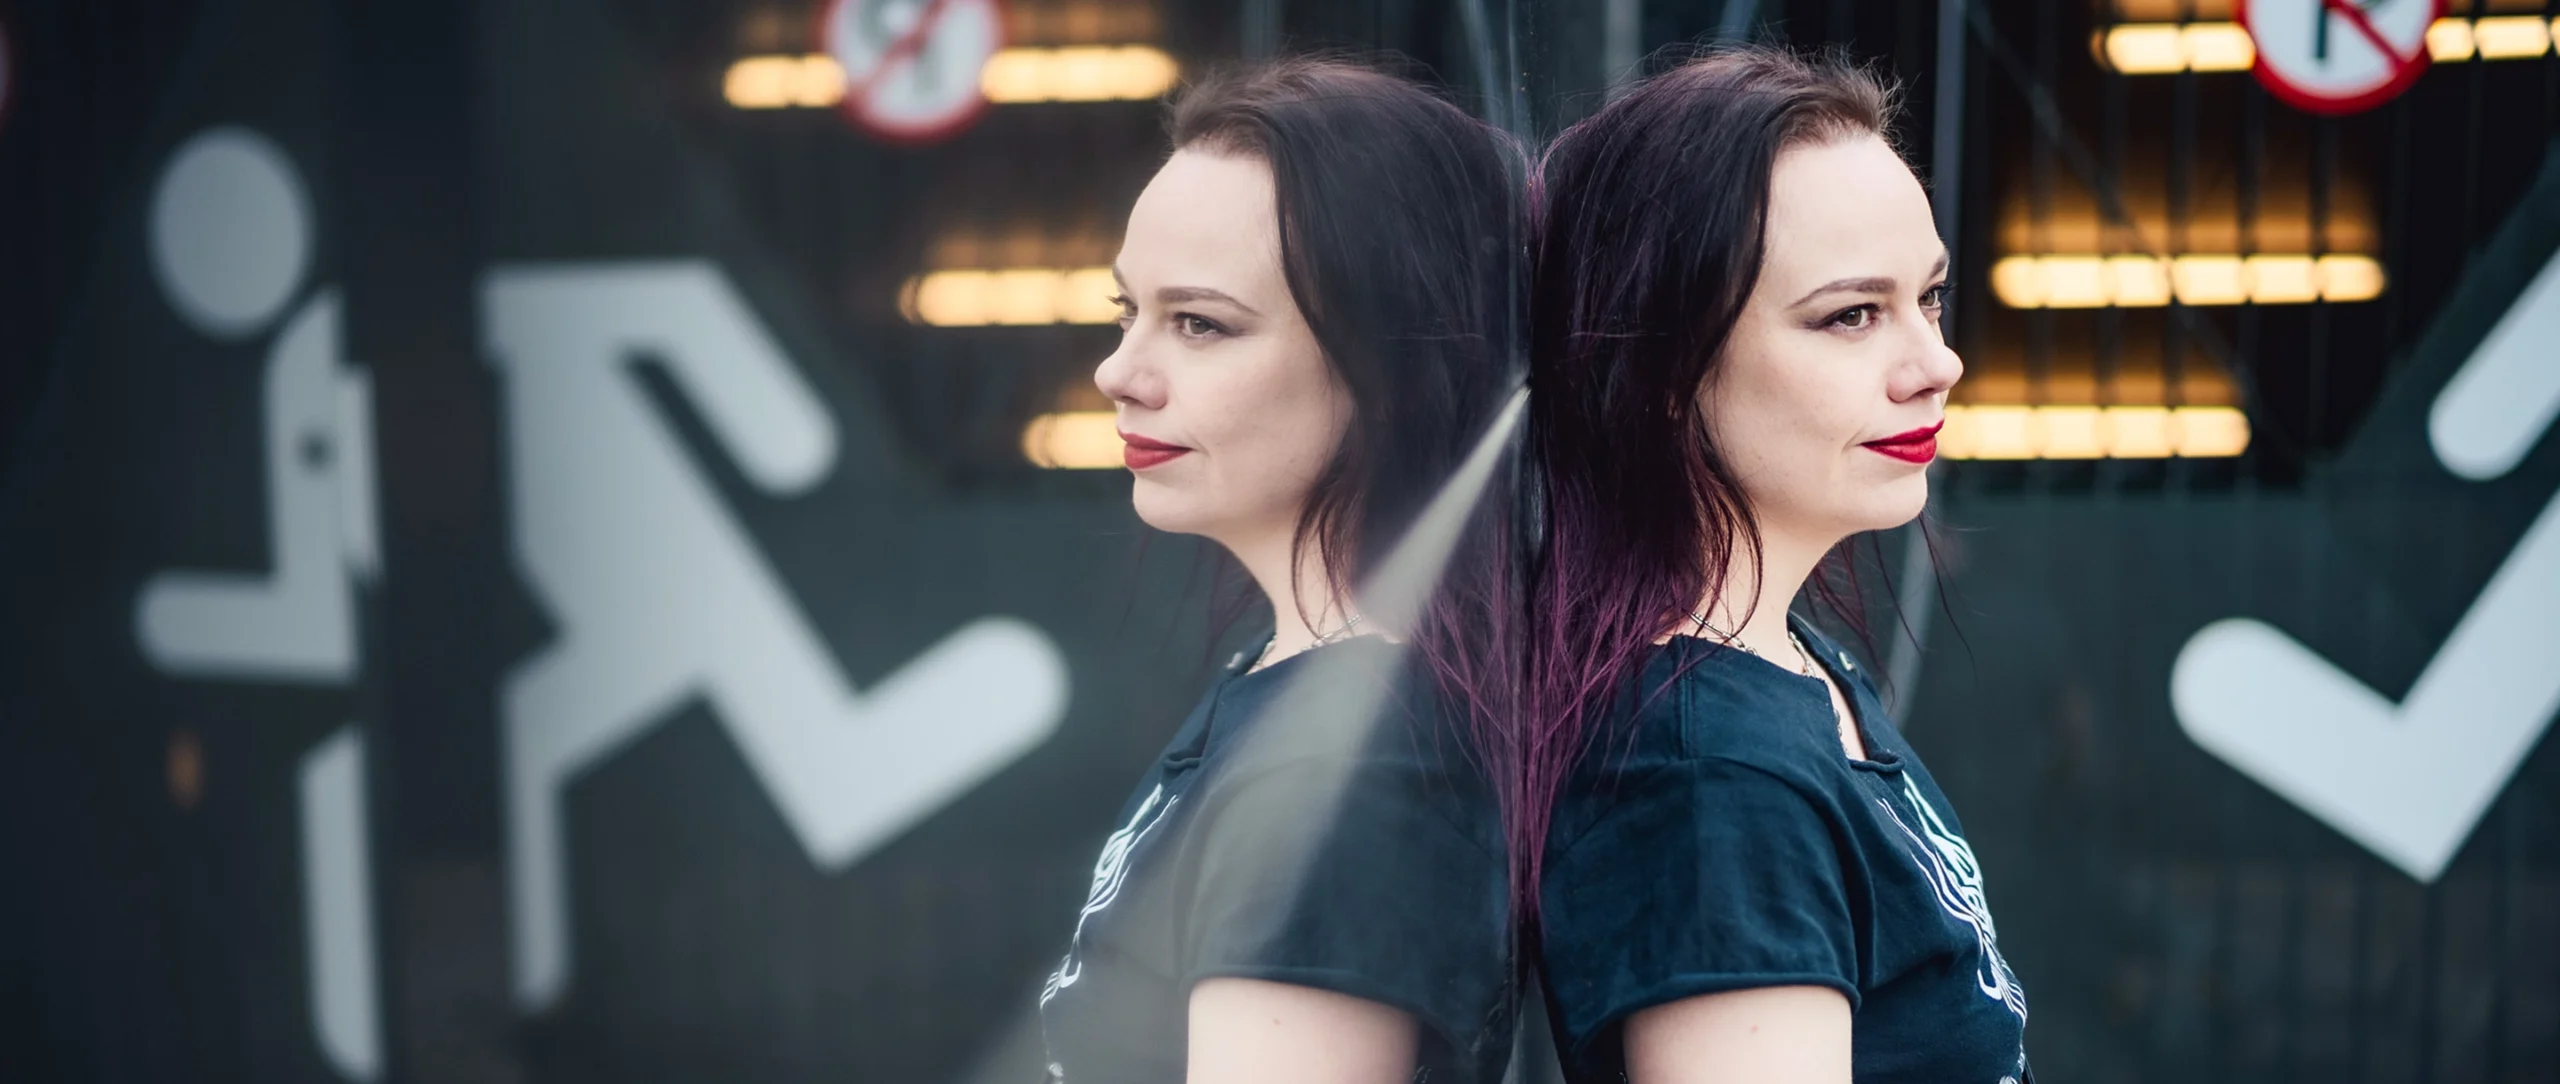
2162 48
2069 432
2137 281
1075 73
2209 432
1010 297
1073 440
2210 280
2145 49
782 81
2092 432
2166 48
760 82
1987 432
817 80
2449 40
2088 282
2511 37
2219 47
2500 37
1078 73
2139 433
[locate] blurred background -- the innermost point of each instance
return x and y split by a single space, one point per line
573 540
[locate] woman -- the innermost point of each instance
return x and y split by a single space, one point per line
1315 296
1736 366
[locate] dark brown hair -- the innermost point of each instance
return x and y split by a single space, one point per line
1401 222
1650 237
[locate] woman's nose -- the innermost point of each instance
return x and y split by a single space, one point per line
1931 368
1125 377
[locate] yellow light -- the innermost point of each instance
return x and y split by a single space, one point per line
2068 432
2083 282
2076 282
1075 73
2137 281
2210 280
2019 282
2210 432
1023 296
1015 75
1085 297
1078 73
2165 48
1988 432
817 80
2138 433
1073 440
1010 297
760 82
2350 278
2219 47
776 82
1084 74
2511 37
2145 48
2449 40
2162 48
2092 432
2283 280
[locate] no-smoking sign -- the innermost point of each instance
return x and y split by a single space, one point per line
2339 56
911 66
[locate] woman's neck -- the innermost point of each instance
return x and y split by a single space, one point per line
1752 607
1303 607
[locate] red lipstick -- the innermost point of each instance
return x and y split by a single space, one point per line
1917 446
1143 453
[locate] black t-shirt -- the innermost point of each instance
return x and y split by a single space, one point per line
1271 841
1717 837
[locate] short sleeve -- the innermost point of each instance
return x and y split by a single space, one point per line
1701 876
1360 877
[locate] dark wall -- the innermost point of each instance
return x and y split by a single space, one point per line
586 398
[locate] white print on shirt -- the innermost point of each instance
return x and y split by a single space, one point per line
1109 872
1947 861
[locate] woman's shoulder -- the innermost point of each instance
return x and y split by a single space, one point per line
1366 704
1725 705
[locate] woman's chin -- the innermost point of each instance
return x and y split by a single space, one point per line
1901 503
1158 506
1890 506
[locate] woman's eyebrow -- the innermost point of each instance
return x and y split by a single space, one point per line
1871 284
1175 294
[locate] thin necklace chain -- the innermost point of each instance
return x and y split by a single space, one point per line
1350 627
1804 667
1804 657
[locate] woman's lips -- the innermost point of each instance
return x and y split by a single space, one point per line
1916 446
1143 453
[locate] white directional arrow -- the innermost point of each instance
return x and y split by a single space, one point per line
2410 780
2497 408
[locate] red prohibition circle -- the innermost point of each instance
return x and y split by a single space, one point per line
2405 71
855 105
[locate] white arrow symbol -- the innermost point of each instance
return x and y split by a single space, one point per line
2410 780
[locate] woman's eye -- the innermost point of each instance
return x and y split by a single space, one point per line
1855 319
1935 297
1128 309
1195 327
